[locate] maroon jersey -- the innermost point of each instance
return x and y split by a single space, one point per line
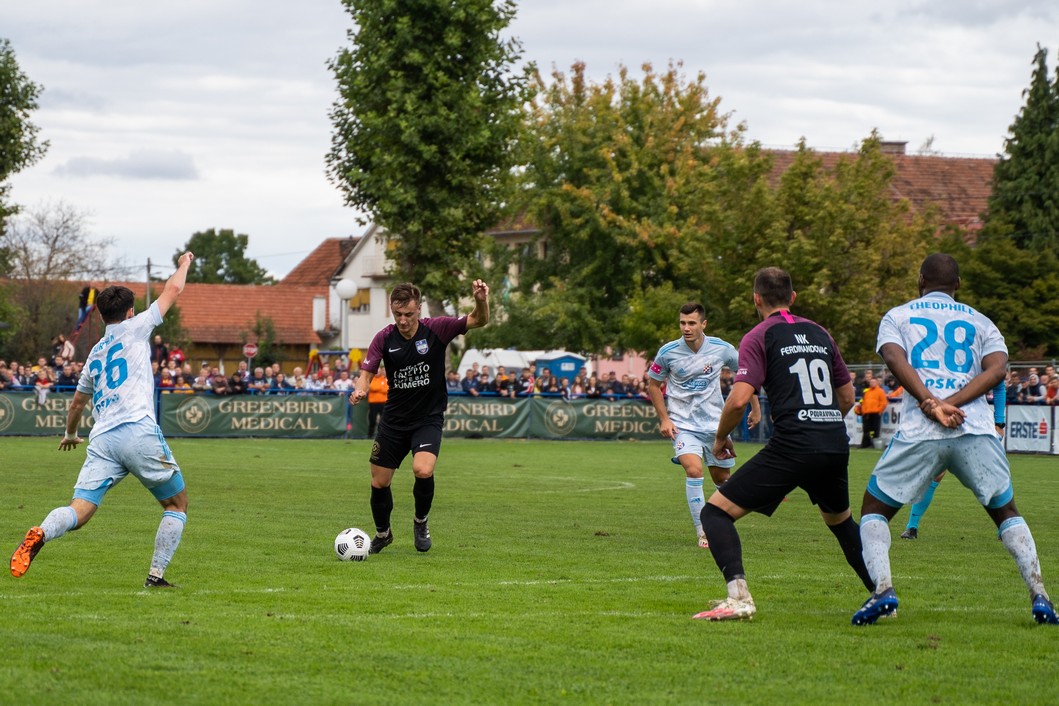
415 368
798 364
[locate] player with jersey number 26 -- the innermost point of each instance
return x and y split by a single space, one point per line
125 437
414 353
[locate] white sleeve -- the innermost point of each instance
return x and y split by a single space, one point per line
889 332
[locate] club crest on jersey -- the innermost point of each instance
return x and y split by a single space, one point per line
707 368
421 346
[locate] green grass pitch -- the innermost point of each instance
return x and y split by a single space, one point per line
561 573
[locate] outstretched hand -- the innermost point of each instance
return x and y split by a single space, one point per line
67 443
480 290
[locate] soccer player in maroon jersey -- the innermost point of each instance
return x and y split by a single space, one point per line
810 391
413 351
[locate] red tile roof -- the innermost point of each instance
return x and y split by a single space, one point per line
321 264
959 187
221 313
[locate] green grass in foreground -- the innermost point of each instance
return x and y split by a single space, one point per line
562 572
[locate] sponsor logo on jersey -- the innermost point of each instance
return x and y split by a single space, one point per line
421 346
819 415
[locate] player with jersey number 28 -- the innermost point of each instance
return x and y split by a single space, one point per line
935 345
414 353
125 437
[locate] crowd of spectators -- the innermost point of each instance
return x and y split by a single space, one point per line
1024 385
478 381
173 373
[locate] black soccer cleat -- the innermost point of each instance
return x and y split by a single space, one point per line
378 543
910 533
157 582
421 535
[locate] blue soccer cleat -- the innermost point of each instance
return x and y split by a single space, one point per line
875 607
1043 611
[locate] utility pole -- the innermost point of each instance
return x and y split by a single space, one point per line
148 305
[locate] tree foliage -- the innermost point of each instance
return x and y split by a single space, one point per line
851 249
1024 203
52 253
1016 288
647 198
19 143
220 258
634 185
425 129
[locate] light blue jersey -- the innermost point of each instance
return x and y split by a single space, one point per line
693 390
118 373
945 342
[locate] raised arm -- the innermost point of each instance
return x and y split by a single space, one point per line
175 284
480 316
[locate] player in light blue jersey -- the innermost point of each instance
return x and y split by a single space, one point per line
1000 394
690 408
118 382
947 356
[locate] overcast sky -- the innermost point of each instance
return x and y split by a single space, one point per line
167 118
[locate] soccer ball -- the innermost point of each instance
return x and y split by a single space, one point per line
352 544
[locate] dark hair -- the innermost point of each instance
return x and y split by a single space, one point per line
774 286
404 293
114 303
692 308
940 270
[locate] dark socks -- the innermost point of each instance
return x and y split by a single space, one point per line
423 492
848 535
381 507
725 546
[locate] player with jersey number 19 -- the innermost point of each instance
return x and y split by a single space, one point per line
810 391
125 437
414 353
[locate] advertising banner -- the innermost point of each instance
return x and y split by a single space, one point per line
1030 429
556 418
286 416
25 414
891 419
491 417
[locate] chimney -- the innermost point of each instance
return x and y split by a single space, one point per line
892 146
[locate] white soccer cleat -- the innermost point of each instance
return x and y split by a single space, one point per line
729 609
703 542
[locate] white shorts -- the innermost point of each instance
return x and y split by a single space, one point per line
698 444
906 468
137 448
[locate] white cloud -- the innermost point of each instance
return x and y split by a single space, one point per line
213 113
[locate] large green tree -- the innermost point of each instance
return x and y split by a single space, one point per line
220 258
19 148
425 129
647 198
851 248
19 143
1024 203
640 188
